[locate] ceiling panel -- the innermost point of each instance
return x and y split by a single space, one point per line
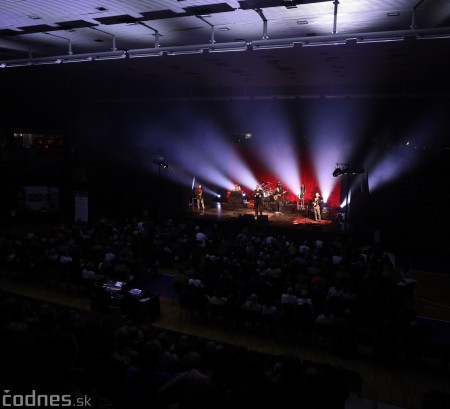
53 31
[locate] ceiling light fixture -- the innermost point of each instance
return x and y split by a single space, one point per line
185 52
322 43
112 55
146 52
63 59
272 44
16 63
227 47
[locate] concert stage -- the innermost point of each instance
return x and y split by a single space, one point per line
289 217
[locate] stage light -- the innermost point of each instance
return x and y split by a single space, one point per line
337 172
346 169
161 162
349 170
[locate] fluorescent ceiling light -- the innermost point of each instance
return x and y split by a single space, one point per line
323 43
15 63
147 52
271 44
113 55
159 51
379 40
226 47
184 52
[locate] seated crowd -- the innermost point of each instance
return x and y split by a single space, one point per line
49 350
321 287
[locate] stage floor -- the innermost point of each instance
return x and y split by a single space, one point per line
289 217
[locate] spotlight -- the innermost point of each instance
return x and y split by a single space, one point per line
243 136
348 170
337 172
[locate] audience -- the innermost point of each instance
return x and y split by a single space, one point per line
258 277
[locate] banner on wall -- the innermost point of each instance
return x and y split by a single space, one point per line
38 199
259 168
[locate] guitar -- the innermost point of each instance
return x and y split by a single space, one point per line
278 195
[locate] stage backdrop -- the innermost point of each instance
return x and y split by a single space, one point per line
308 176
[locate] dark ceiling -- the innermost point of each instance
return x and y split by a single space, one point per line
281 49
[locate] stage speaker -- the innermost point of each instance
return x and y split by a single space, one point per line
246 218
288 207
263 218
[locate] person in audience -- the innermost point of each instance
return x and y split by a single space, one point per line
304 299
192 388
252 304
88 273
144 378
289 297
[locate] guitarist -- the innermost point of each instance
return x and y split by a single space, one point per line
277 196
200 200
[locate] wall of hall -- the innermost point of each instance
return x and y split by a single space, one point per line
110 145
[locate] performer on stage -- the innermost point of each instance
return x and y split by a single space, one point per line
199 197
277 194
317 207
301 195
258 195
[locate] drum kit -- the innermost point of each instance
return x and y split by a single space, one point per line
269 192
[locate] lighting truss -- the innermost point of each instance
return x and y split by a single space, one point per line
352 39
